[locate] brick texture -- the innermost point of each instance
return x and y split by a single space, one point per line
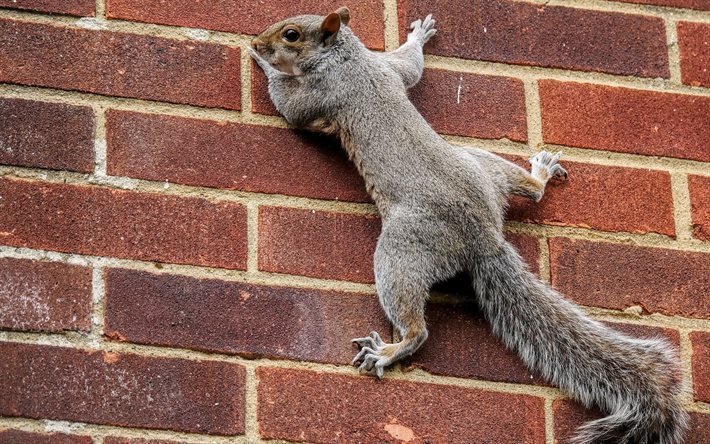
701 362
228 317
591 196
246 18
549 36
700 206
108 222
118 64
618 276
46 135
118 440
11 436
317 243
625 120
694 44
328 408
44 296
121 389
69 7
692 4
229 155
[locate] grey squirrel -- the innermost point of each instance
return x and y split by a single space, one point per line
442 211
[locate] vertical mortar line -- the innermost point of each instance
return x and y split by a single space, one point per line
686 355
534 114
100 142
100 9
673 50
549 422
252 237
391 21
544 259
246 80
251 423
98 293
682 213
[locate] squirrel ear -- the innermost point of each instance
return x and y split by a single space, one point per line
330 27
344 14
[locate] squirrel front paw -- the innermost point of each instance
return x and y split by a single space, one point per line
422 30
546 162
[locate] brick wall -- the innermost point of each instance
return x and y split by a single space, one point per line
176 265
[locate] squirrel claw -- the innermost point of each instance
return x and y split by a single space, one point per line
548 161
370 355
423 30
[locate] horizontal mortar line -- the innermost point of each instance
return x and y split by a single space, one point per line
700 407
626 8
650 320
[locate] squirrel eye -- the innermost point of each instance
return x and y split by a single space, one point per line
291 35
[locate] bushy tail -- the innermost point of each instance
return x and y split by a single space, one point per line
636 382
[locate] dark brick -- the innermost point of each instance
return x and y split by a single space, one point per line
691 4
550 36
701 362
317 243
228 317
625 120
118 64
472 105
328 408
246 18
618 276
11 436
110 222
694 44
38 381
46 135
699 429
590 198
69 7
229 155
529 249
700 206
44 296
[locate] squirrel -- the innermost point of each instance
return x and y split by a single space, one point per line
442 209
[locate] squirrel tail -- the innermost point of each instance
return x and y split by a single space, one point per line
636 382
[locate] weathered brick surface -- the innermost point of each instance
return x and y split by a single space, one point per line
247 18
618 276
118 64
108 222
39 381
229 155
700 206
591 197
118 440
529 34
12 436
692 4
529 249
232 317
46 135
328 408
694 45
317 243
44 296
69 7
625 120
701 363
260 100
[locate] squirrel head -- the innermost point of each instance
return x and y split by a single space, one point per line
293 46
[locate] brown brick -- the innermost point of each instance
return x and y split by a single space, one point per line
549 36
690 4
618 276
228 317
11 436
109 222
625 120
694 43
38 381
317 243
118 440
244 17
46 135
229 155
701 362
472 105
330 408
118 64
69 7
590 198
44 296
700 206
529 249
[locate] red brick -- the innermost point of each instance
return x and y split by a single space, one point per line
44 296
118 440
590 198
38 381
118 64
229 155
625 120
701 362
472 105
10 436
317 243
109 222
246 18
228 317
69 7
618 276
529 249
549 36
330 408
260 101
700 206
691 4
46 135
694 43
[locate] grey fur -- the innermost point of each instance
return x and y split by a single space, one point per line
442 213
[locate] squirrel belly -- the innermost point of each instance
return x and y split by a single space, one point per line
442 213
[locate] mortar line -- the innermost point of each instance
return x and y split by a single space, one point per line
246 75
682 212
686 359
673 51
252 237
544 260
549 422
391 21
101 9
98 297
534 114
251 424
100 152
